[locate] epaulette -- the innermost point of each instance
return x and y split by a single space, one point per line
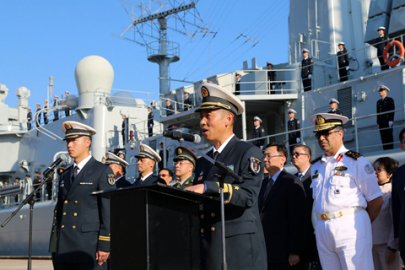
353 155
316 160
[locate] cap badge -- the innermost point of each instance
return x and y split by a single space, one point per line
68 126
204 92
320 120
179 151
141 148
111 179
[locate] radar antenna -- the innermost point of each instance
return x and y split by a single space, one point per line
149 29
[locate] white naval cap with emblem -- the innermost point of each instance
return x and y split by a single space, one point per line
333 100
328 121
145 151
381 28
110 158
292 111
74 129
215 97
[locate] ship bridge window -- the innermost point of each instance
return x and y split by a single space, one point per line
345 101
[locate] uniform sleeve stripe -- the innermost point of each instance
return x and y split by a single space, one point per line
104 238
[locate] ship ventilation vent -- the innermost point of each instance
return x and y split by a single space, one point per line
345 101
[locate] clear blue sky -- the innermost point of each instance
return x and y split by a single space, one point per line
43 38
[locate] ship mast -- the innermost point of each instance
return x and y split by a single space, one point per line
164 53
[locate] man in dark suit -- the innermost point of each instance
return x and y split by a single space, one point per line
306 70
245 246
282 211
398 200
80 237
147 158
117 165
385 121
301 159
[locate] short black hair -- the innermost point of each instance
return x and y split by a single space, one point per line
306 147
389 164
280 148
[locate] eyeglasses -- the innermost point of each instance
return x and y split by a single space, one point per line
269 156
325 133
163 175
182 162
297 154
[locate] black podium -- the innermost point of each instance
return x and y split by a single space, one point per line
155 227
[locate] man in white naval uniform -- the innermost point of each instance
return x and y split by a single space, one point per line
346 199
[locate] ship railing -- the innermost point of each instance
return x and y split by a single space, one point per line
361 134
41 128
178 106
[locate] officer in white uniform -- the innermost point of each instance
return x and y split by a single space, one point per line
346 197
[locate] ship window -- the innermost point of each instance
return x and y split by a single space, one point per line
345 102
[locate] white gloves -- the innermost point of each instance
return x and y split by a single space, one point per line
390 123
298 140
309 76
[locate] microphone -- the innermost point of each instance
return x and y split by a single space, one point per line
52 167
177 135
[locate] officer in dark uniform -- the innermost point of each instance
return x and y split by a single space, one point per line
306 70
245 246
150 122
188 103
293 124
334 106
385 121
80 237
381 42
147 158
184 165
117 165
29 119
258 132
343 62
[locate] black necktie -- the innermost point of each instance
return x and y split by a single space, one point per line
269 185
74 174
300 175
215 155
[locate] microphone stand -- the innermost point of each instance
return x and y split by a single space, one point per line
30 199
223 170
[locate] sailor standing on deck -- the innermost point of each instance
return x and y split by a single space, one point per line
346 197
306 70
245 246
80 237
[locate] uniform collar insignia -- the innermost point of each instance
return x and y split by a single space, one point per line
341 168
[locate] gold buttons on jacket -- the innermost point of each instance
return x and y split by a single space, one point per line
76 201
62 226
73 227
202 230
66 201
64 213
212 229
212 214
75 214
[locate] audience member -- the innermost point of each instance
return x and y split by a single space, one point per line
55 109
381 42
188 103
301 159
385 255
151 122
167 175
237 83
282 211
346 199
271 78
169 107
343 62
398 201
29 118
117 165
334 106
385 117
147 158
294 137
306 70
67 109
184 165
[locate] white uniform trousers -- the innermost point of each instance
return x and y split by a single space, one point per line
345 243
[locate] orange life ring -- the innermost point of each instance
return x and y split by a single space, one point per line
395 58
